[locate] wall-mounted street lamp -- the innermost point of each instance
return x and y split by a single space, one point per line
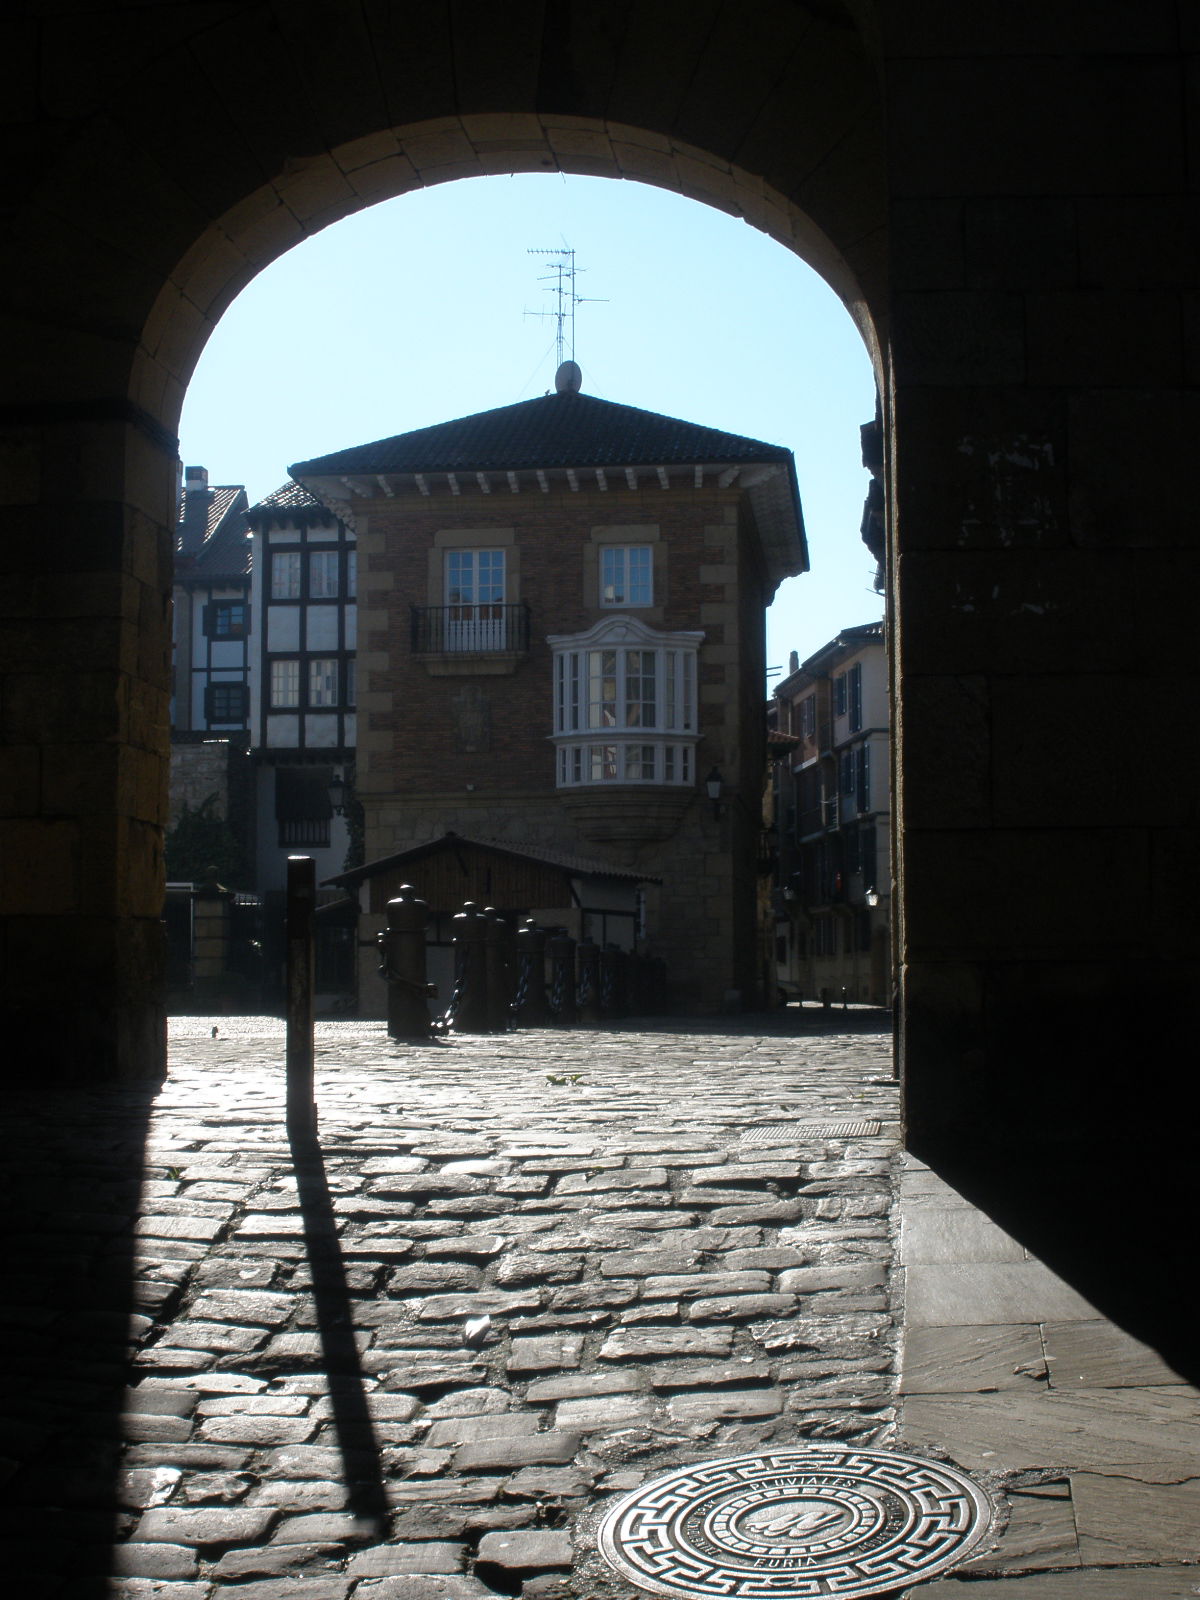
712 787
872 898
337 794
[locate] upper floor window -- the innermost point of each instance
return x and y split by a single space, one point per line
227 619
285 575
625 705
475 594
808 716
323 574
226 703
855 707
323 681
626 575
351 573
285 683
839 695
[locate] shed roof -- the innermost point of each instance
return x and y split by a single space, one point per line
575 866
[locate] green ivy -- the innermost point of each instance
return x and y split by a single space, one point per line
201 839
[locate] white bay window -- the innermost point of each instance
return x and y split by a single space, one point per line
625 705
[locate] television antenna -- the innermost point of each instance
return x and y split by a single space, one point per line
560 282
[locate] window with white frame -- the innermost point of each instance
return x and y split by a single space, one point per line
285 575
475 595
323 681
285 683
323 574
626 575
625 705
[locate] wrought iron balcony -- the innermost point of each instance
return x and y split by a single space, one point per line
470 629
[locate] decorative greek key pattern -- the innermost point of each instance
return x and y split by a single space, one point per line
819 1521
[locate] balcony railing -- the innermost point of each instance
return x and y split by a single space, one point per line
470 629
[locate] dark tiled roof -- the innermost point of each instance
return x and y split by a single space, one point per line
221 500
556 430
577 866
291 502
288 497
225 549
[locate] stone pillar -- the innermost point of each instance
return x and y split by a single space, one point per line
86 550
210 934
1043 497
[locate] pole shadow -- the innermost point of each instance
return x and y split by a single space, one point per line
358 1445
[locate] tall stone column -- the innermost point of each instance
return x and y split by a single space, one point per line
1044 499
84 742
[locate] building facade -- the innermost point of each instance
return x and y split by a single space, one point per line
562 646
211 649
211 594
832 812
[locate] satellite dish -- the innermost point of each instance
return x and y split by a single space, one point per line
568 379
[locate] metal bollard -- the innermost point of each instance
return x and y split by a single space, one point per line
531 1007
468 1008
496 971
588 998
560 949
301 971
402 963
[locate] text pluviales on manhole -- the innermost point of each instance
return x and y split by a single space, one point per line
795 1525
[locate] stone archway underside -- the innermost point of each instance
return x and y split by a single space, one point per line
169 158
1025 235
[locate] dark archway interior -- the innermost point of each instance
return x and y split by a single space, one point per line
1019 249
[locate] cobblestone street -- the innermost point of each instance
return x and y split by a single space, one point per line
681 1241
517 1277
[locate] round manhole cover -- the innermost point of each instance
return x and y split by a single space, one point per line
819 1521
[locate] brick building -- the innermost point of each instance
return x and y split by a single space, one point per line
561 647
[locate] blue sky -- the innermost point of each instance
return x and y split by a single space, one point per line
413 312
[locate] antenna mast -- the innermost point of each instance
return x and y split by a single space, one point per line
561 281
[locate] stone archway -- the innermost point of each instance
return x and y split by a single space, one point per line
1022 242
171 188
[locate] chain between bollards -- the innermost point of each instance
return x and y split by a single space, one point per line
301 973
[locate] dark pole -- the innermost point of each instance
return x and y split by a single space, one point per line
301 904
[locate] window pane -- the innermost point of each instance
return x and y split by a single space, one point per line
612 575
640 576
352 682
639 763
602 688
322 682
352 573
323 574
626 575
460 577
285 683
228 619
285 575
